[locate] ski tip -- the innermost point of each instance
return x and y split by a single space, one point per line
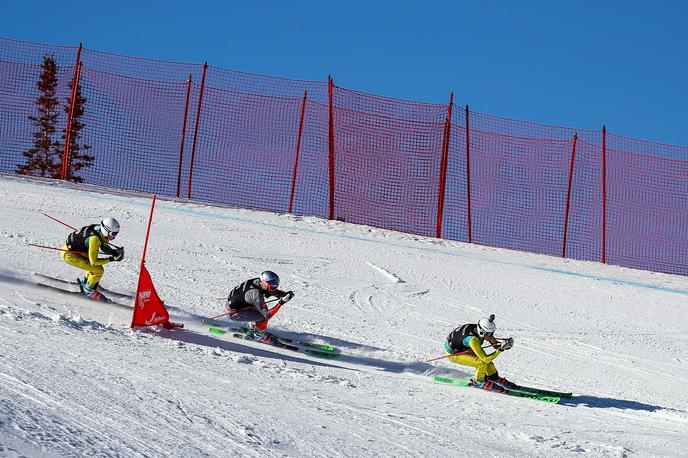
217 331
319 347
548 399
452 381
323 354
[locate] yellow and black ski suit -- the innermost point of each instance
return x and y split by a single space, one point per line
87 240
465 341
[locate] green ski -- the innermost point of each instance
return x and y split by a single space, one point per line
299 343
543 392
272 340
310 345
516 393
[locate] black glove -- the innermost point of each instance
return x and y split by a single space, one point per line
118 255
287 297
507 344
108 250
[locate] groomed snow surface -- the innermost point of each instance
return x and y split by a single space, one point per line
75 380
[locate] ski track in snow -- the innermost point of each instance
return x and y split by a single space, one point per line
76 381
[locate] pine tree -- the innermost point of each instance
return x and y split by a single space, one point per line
78 156
43 159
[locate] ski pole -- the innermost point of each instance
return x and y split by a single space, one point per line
231 312
447 356
454 354
234 311
224 299
74 229
58 249
220 315
61 222
113 246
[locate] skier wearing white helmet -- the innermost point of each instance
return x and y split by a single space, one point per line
81 250
464 346
246 302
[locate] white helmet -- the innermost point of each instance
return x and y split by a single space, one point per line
486 326
109 228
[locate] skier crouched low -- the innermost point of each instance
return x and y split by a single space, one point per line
246 302
464 346
89 240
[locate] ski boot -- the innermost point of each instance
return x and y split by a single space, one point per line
501 381
90 292
256 333
488 385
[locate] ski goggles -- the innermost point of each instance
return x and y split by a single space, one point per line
270 285
109 233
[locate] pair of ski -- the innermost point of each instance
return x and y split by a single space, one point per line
326 351
73 287
520 391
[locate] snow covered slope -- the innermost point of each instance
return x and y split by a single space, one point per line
75 380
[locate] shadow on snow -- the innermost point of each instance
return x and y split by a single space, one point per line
364 362
235 345
597 402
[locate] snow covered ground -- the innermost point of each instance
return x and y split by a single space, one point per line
76 380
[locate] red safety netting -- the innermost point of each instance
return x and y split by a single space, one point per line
246 149
20 67
134 129
584 231
505 182
311 190
32 53
518 191
456 202
518 186
387 157
247 137
18 93
232 80
647 205
140 68
646 148
526 129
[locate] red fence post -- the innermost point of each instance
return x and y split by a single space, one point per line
150 219
443 168
70 115
198 121
298 147
568 193
181 149
468 179
330 90
604 194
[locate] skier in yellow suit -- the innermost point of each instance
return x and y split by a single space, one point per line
464 344
90 240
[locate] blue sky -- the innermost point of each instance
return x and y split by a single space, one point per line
574 63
